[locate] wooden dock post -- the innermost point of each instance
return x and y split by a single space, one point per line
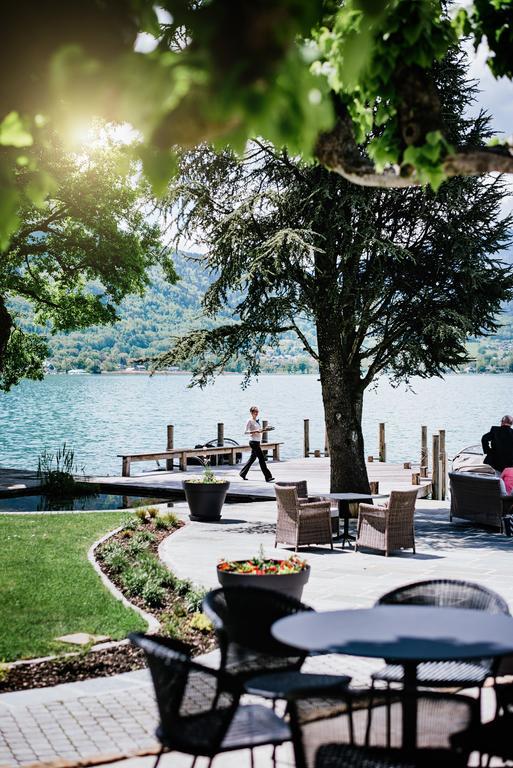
435 475
382 443
306 438
217 460
443 466
424 459
170 444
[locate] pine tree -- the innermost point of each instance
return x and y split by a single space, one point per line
394 281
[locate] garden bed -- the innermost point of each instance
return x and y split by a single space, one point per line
130 560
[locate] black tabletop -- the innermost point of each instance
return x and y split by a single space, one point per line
408 633
350 497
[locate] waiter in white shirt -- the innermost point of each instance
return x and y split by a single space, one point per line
255 432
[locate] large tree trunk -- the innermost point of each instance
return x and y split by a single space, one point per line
5 331
342 395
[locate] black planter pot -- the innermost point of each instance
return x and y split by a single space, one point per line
205 500
287 583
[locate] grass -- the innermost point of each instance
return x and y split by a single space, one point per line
48 587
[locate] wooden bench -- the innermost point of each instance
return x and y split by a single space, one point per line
182 454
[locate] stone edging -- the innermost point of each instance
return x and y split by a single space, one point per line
153 623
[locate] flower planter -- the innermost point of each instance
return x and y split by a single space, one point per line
205 500
287 583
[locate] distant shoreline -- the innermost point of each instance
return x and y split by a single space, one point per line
239 373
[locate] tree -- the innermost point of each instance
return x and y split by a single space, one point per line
318 76
77 253
394 281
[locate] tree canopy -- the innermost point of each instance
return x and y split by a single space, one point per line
76 253
394 281
350 83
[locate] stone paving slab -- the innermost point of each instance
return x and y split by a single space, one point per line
98 721
344 578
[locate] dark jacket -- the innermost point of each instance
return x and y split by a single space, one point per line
498 447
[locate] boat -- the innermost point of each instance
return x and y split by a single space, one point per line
471 459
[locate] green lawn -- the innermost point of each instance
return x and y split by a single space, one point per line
48 587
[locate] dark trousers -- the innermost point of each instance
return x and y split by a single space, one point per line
256 453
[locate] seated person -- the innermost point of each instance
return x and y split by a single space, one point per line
507 478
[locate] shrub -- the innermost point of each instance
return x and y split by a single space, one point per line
57 472
193 600
171 625
152 512
130 522
169 520
134 580
141 514
136 546
153 593
115 558
182 586
179 611
200 622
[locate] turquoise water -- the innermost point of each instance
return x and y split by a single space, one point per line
101 416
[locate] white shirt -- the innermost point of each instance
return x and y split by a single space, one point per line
251 425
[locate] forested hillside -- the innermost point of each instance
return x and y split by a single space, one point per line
146 325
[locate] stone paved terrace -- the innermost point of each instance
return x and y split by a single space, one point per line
95 722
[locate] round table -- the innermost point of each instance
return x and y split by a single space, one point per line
406 634
344 500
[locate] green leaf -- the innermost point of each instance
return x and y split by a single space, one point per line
13 132
159 166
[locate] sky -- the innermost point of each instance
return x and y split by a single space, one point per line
496 96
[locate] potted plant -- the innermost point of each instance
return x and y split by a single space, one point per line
288 576
205 496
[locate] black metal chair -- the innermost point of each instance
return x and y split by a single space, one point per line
492 739
260 664
343 731
447 593
199 707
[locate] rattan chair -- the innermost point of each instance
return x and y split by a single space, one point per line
301 487
445 593
199 709
387 528
254 659
355 730
302 491
300 523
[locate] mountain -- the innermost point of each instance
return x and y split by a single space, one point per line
147 324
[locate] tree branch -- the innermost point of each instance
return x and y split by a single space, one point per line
338 151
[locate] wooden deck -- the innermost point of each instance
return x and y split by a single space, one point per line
314 470
168 484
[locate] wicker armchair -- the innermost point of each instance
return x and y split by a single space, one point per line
388 528
302 492
356 730
301 523
301 487
250 654
199 710
445 593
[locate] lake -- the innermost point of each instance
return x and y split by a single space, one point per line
101 416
